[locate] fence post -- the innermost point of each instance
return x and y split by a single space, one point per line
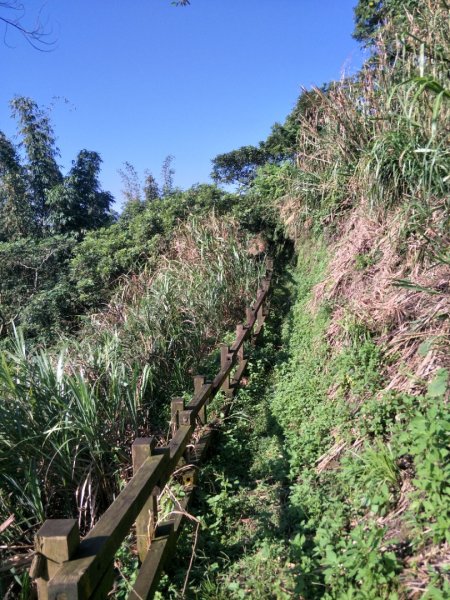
224 360
241 354
262 310
199 382
55 543
176 406
260 318
241 358
146 521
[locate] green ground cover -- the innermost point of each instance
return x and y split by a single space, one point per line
323 486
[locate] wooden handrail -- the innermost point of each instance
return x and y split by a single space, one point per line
78 577
65 568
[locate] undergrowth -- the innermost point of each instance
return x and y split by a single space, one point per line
69 417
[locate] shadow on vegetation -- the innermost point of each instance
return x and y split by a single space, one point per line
242 498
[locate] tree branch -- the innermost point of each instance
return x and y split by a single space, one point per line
35 36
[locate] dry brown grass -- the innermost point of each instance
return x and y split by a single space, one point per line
369 258
416 576
370 255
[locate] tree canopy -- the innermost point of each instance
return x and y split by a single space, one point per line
371 15
240 166
35 197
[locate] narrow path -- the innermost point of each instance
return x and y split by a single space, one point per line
242 547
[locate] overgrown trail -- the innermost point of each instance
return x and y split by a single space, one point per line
242 548
324 483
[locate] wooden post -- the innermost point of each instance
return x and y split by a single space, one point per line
199 382
146 521
176 406
224 361
241 360
104 586
190 477
239 331
260 318
55 543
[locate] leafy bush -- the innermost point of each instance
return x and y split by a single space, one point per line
137 240
35 291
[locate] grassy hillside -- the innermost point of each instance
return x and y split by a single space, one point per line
331 474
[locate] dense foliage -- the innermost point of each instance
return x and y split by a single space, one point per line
372 15
102 319
62 247
69 415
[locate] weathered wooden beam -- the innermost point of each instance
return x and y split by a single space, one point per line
226 359
229 361
55 542
78 578
198 452
103 588
146 520
164 544
243 333
260 318
199 400
176 407
178 444
150 571
237 375
240 335
199 384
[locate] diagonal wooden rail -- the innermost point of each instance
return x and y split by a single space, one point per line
66 568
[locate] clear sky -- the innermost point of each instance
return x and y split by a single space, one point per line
137 80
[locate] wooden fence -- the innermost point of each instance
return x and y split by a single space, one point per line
66 568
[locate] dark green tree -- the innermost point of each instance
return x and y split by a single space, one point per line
131 189
151 188
282 141
38 140
79 204
34 290
16 219
371 15
167 173
135 195
238 166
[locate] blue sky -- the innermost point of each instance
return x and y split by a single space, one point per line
137 80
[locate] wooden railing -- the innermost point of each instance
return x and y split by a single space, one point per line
66 568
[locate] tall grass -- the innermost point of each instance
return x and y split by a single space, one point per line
62 435
67 419
382 136
170 317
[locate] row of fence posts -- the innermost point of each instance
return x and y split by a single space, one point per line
66 568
